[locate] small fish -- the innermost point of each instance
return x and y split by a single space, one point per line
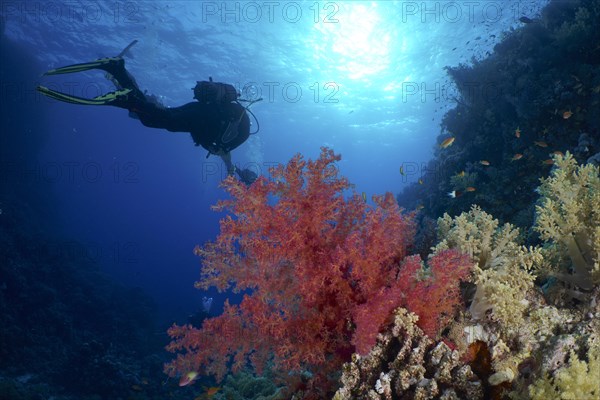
470 189
525 20
484 162
211 391
364 196
453 194
516 157
518 133
188 378
420 181
461 174
558 153
540 143
402 170
420 207
567 114
548 162
447 143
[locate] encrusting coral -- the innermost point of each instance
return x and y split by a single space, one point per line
407 364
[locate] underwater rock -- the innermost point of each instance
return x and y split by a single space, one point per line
594 160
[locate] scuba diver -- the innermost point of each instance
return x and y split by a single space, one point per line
217 121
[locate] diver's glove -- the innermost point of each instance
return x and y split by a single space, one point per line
246 175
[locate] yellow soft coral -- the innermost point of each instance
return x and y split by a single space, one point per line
576 381
503 291
476 233
503 273
569 215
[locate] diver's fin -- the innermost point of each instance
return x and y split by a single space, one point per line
125 51
113 98
105 64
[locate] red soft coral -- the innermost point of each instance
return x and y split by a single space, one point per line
309 257
435 296
324 274
432 292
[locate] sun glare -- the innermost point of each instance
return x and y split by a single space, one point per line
359 41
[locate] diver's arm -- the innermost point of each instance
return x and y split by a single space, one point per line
226 157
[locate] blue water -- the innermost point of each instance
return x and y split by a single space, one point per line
365 78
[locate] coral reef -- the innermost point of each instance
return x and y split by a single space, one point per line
518 340
407 364
535 95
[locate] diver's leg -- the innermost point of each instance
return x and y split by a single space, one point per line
113 98
128 95
113 65
96 64
124 80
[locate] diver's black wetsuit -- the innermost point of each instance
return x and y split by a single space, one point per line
206 121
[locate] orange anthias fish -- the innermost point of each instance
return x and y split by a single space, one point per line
567 114
447 143
470 189
548 162
516 157
540 143
558 153
188 378
211 391
484 162
518 133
